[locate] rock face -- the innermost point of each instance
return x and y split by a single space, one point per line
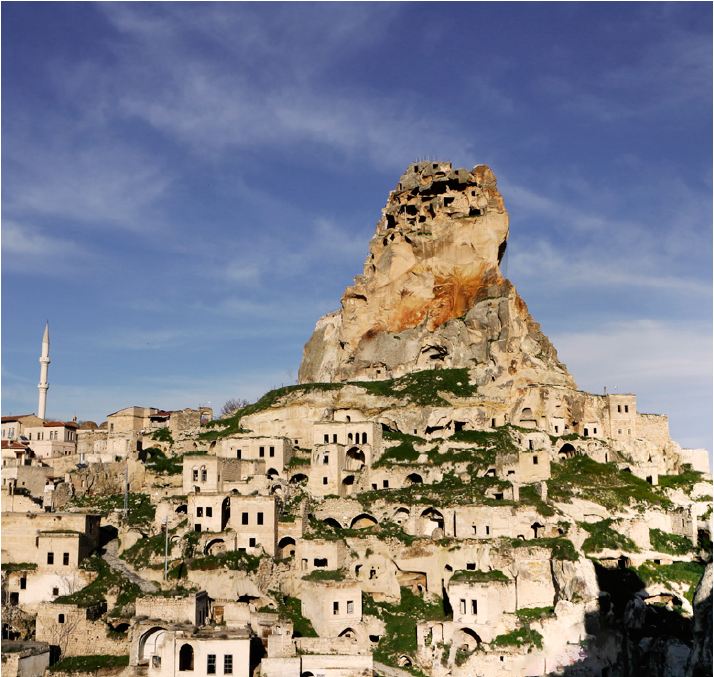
432 294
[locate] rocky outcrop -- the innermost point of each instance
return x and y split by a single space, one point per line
700 660
432 294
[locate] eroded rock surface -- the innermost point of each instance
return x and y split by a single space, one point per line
432 294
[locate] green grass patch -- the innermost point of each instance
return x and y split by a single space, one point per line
423 387
141 510
18 566
234 560
603 536
602 483
400 623
466 576
673 544
685 480
535 614
139 554
520 637
89 663
560 548
688 573
158 462
290 608
96 592
325 575
402 453
529 496
162 435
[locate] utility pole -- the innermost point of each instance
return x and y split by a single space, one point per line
166 548
126 491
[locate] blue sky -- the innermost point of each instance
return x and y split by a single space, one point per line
188 187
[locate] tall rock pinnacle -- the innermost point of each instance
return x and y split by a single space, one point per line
432 294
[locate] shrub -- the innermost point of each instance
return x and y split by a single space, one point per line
670 543
602 536
520 637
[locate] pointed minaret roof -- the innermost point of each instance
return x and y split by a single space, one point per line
46 334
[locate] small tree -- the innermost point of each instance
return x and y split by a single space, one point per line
233 405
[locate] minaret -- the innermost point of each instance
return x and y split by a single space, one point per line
44 366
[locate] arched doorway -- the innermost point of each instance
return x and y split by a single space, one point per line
332 522
414 478
272 473
349 633
298 478
566 451
186 658
401 515
286 547
363 521
466 639
214 547
355 459
149 643
430 520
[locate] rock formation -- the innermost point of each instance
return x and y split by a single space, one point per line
432 294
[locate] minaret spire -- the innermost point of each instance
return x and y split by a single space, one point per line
44 366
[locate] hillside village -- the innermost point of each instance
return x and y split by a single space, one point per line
434 497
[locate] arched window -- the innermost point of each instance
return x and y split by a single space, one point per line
364 438
186 658
204 473
195 473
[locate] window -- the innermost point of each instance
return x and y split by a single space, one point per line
204 474
261 452
186 658
474 607
488 530
197 527
65 558
29 436
23 583
199 512
594 431
251 542
334 439
228 664
586 432
211 664
260 518
619 431
238 453
50 558
335 608
244 518
530 444
156 661
324 480
470 566
385 484
462 606
325 459
350 607
195 474
55 592
209 512
627 408
493 422
556 429
327 439
60 618
535 460
619 409
272 452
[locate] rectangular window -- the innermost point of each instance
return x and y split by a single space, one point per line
244 518
65 559
594 431
23 583
251 542
474 607
535 460
199 512
325 459
324 480
209 512
470 566
627 408
327 438
261 452
211 664
530 444
271 452
462 606
260 518
385 484
350 607
55 592
619 409
195 475
335 608
60 618
238 453
334 439
50 558
228 664
488 530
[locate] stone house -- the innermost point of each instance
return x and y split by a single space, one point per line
255 521
479 602
275 452
52 438
319 554
193 608
167 651
13 427
208 511
25 659
333 607
29 587
50 540
523 467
